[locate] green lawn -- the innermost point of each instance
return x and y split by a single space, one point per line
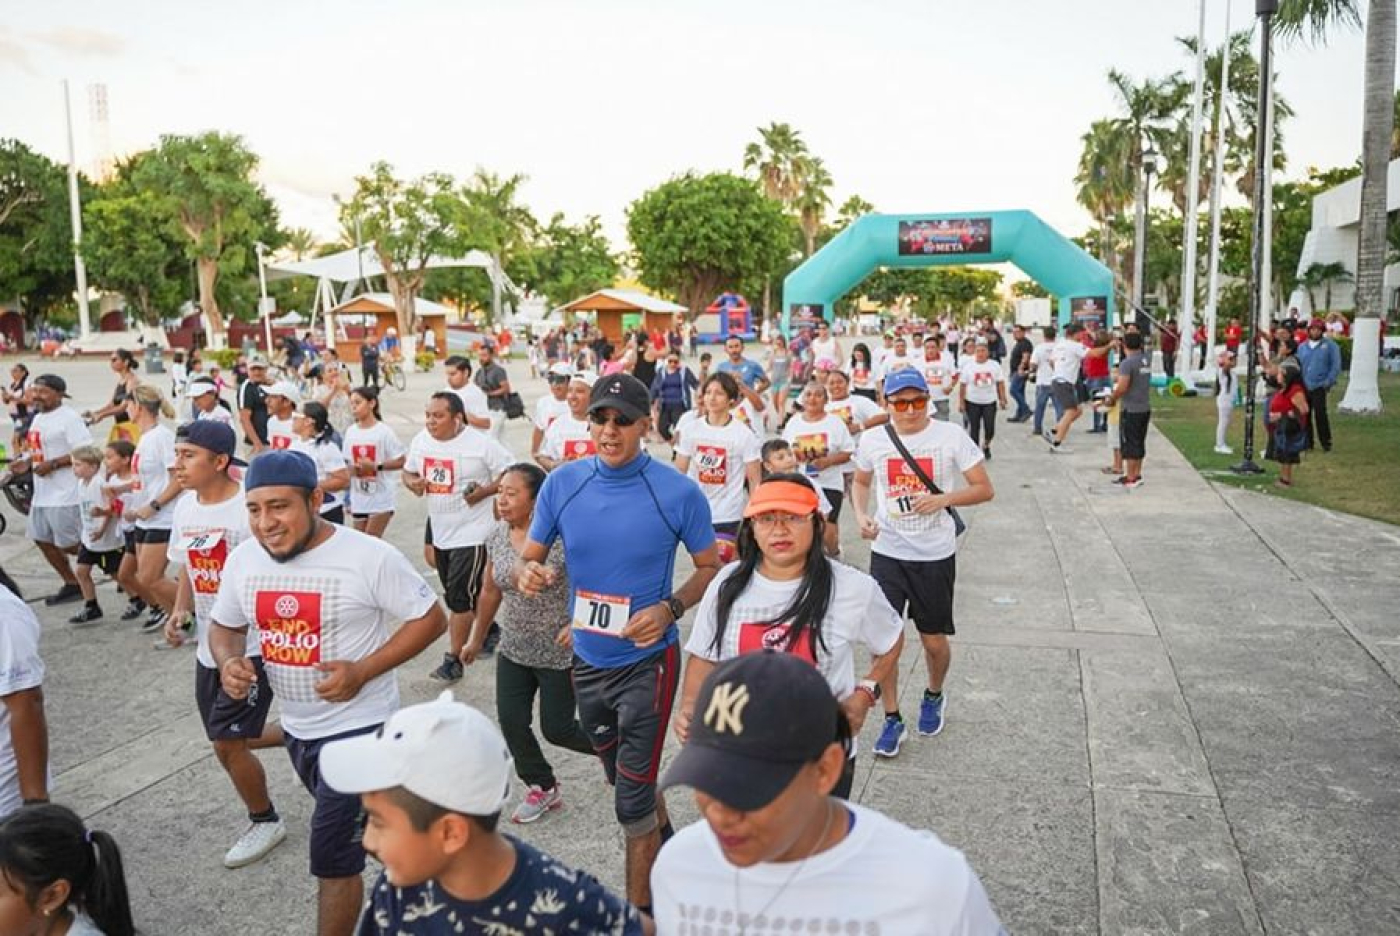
1359 476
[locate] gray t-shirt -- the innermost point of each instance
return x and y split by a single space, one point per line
529 626
489 378
1139 374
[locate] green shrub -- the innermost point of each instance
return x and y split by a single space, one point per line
425 361
1344 344
225 358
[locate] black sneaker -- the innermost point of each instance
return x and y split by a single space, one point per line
153 623
89 613
134 610
69 592
987 453
450 670
493 637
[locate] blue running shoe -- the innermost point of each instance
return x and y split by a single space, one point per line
891 737
931 715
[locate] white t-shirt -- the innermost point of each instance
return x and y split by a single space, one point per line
548 409
825 350
1065 357
328 458
334 602
687 420
150 469
217 414
944 451
980 380
447 468
1043 361
279 433
719 456
909 882
939 373
20 669
858 614
854 409
750 416
92 496
473 400
810 440
568 439
379 444
201 538
892 362
53 435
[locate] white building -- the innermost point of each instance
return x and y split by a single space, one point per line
1335 237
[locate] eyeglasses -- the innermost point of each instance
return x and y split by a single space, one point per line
774 519
903 406
618 420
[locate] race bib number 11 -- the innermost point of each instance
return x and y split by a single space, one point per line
601 614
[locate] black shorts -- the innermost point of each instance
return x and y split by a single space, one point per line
108 560
129 543
925 588
624 712
1132 429
460 570
1065 394
145 536
227 718
428 532
337 827
335 515
837 498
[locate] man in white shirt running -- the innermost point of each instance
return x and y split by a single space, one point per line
766 748
55 519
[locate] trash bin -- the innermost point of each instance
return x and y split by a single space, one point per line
155 363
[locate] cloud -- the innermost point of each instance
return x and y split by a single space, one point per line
80 40
13 53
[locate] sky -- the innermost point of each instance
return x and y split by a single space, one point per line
917 106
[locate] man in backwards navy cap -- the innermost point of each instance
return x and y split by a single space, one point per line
322 598
765 750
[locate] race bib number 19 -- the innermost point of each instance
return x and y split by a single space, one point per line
601 614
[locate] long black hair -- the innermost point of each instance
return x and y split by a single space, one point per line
321 420
371 396
44 843
809 606
863 350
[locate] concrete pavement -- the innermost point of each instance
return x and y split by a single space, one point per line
1171 710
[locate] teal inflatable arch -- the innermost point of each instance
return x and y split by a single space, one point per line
1083 285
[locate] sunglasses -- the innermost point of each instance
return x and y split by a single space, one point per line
904 406
621 422
768 520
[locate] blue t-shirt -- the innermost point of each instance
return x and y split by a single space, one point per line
747 371
618 544
540 896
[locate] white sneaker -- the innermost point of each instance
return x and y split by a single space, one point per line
1224 450
261 838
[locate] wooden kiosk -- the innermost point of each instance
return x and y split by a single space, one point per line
374 312
612 307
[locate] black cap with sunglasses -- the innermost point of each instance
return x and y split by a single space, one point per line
621 392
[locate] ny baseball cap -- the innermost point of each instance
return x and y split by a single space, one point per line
285 388
54 382
257 361
443 751
280 468
211 435
622 392
783 497
759 719
905 379
560 371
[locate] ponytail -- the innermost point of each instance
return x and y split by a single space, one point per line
44 844
371 396
153 401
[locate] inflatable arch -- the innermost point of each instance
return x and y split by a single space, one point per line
1084 285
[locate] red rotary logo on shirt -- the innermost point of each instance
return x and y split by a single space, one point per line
289 626
36 446
755 636
902 485
712 464
281 441
579 448
207 566
982 378
440 475
367 452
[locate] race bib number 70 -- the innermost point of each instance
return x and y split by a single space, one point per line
601 614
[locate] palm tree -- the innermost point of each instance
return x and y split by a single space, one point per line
301 243
852 209
1314 18
1324 275
1106 182
813 198
775 158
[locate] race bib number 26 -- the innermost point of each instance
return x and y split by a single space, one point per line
601 614
440 474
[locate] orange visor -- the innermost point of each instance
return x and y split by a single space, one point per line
782 497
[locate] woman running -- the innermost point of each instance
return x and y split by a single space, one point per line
315 436
375 455
722 454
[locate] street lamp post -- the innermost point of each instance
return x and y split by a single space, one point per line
264 305
1149 166
1263 153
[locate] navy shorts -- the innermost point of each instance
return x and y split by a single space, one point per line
227 718
337 826
925 588
624 712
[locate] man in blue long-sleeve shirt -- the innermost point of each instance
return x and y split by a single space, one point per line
1321 361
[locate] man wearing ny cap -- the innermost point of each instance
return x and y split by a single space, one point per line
55 519
622 516
776 852
432 783
252 405
210 521
552 405
321 599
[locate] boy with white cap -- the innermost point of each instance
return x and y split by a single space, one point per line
283 400
432 783
552 405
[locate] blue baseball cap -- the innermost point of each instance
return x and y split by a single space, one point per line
905 379
281 468
211 435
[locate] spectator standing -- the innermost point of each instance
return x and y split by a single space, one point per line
369 361
1018 367
1321 361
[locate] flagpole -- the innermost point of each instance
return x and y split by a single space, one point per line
75 209
1213 287
1186 322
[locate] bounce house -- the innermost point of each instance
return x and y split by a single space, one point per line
729 314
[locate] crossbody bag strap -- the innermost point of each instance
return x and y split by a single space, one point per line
909 460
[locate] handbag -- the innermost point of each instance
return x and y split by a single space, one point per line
514 405
959 525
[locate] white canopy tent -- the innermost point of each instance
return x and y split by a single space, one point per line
351 268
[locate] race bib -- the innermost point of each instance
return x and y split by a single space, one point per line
575 449
601 614
754 636
902 485
205 554
289 627
711 464
36 446
440 474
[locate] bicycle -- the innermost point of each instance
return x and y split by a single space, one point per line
393 374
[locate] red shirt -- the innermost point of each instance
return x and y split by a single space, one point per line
1094 367
1232 336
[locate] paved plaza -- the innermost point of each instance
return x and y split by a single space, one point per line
1171 710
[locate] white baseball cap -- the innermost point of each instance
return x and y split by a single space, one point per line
561 369
285 388
585 378
198 388
444 751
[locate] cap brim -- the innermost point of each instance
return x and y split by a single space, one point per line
784 504
625 407
359 765
736 780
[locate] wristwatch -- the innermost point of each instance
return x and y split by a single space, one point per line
870 686
676 607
